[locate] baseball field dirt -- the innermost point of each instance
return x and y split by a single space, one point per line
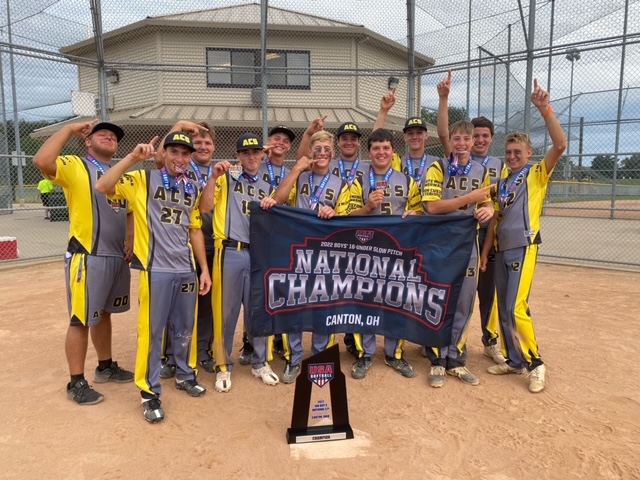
586 424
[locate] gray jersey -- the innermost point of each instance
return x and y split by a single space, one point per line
231 212
401 193
334 192
207 218
440 185
362 168
279 172
163 217
494 167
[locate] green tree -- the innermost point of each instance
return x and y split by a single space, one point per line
603 165
631 166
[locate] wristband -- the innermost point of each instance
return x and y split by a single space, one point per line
548 112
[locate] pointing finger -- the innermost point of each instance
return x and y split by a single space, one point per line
449 75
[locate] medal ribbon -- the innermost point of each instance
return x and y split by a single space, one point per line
423 163
372 178
272 175
315 197
504 191
352 174
196 170
455 169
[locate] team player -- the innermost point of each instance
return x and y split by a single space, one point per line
416 162
311 185
383 191
97 275
273 171
231 263
457 186
168 235
519 201
347 166
199 171
482 138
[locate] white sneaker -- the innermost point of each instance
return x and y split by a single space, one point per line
436 376
267 375
504 369
536 379
464 375
494 352
223 382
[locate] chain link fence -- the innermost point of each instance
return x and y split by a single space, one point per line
146 66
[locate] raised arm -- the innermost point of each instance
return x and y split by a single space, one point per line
281 195
444 88
541 99
107 183
316 126
45 159
207 201
386 103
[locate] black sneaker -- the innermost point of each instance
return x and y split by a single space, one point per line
113 374
361 368
208 365
192 387
401 366
82 393
153 411
167 371
247 352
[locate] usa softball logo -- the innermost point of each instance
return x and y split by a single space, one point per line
364 235
321 373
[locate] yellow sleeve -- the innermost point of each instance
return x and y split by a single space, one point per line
195 217
505 171
485 183
343 206
293 193
128 185
356 199
67 168
414 200
539 171
396 162
433 184
220 184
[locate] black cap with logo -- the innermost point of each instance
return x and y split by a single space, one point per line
348 127
179 138
108 126
282 129
415 122
248 141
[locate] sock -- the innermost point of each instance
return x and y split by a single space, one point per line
104 364
75 378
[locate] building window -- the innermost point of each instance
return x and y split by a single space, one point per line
233 68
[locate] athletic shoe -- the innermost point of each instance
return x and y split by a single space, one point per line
278 348
494 352
537 379
464 375
267 375
290 373
113 374
192 387
82 393
436 376
361 368
153 411
401 366
167 371
504 368
247 352
208 365
223 382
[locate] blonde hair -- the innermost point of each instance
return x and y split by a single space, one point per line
518 137
321 136
463 126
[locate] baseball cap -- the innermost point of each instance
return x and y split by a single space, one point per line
415 122
282 129
348 127
108 126
179 138
248 141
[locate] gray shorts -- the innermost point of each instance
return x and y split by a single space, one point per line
95 285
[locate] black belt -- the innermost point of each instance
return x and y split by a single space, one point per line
235 244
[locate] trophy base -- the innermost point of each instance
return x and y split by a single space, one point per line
318 434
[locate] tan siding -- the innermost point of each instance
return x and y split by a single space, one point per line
190 48
136 88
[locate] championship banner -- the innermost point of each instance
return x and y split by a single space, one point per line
365 274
